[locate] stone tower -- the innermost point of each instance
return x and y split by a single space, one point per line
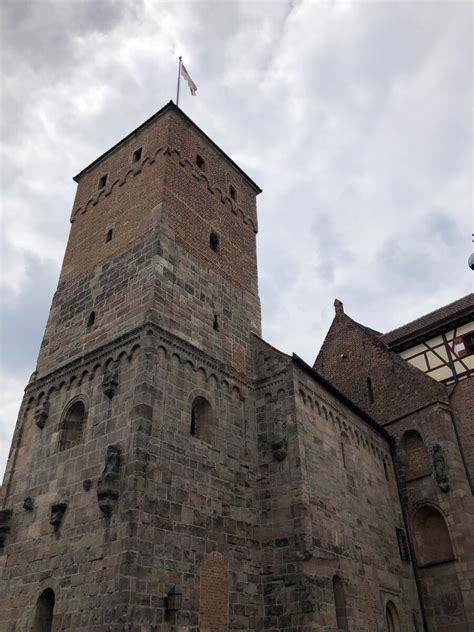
170 470
152 319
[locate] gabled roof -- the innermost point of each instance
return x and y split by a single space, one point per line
431 324
170 106
329 386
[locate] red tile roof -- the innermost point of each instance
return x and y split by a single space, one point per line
431 324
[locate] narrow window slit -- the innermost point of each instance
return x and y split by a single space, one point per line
215 325
109 234
370 390
214 242
102 181
232 193
91 319
200 163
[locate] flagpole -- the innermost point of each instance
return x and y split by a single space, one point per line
179 76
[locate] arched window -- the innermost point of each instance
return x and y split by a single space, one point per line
203 423
340 604
72 425
417 458
433 543
391 617
43 621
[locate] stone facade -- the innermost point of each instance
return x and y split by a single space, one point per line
432 425
170 470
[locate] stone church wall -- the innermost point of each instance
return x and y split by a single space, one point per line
78 556
328 521
354 511
439 501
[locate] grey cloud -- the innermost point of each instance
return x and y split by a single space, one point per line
355 118
24 316
42 34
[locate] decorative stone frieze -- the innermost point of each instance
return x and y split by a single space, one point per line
108 484
439 464
42 414
28 504
110 380
57 514
280 449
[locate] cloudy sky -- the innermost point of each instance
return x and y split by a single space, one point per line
354 117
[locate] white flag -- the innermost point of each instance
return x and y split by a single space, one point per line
192 86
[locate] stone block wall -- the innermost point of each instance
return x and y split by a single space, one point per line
79 556
439 495
196 516
328 519
162 211
118 292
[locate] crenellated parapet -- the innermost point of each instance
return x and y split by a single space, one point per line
186 164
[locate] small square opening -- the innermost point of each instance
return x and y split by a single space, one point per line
137 154
200 163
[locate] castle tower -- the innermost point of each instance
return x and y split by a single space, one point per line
170 470
139 397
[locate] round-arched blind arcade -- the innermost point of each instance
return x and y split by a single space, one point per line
417 458
433 543
43 621
72 425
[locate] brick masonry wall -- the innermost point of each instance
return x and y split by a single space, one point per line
462 400
162 213
350 355
214 590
